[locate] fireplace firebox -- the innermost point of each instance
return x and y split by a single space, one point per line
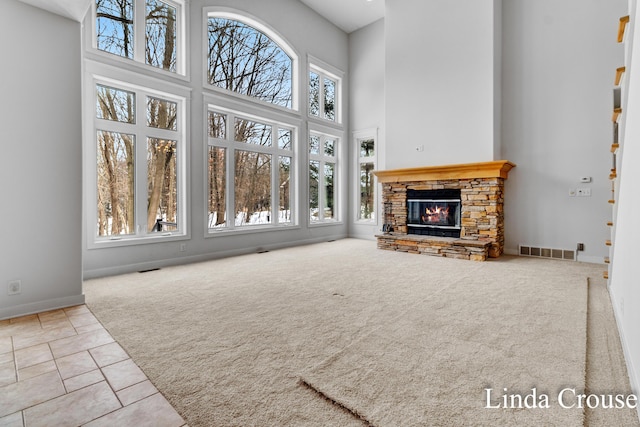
434 212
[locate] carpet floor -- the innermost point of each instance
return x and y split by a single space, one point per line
343 334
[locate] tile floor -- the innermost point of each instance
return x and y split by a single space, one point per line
62 368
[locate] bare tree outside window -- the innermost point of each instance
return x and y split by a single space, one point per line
114 27
217 171
252 188
367 182
116 171
116 32
116 197
322 178
314 190
322 95
314 94
329 178
329 99
161 35
217 187
115 163
252 132
366 191
244 60
285 190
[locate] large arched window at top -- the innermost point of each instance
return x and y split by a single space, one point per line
243 59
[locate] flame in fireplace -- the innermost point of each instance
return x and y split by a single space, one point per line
436 214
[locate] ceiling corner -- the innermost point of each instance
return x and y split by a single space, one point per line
71 9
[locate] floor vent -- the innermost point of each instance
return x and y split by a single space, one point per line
547 253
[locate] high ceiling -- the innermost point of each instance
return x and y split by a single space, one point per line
349 15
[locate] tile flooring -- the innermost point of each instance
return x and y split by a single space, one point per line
62 368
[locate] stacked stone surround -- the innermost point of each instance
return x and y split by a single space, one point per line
481 188
482 219
475 250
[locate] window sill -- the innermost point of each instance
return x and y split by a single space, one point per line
324 224
109 60
213 232
135 241
330 124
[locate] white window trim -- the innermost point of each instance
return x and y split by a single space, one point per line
325 70
138 63
339 172
258 24
276 121
96 73
357 137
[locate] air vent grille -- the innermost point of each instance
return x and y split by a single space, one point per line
537 252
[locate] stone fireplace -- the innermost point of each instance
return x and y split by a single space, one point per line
451 211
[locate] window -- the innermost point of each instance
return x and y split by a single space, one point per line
244 60
322 178
145 31
139 173
366 146
324 89
250 165
251 150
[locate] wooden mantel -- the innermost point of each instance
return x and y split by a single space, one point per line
494 169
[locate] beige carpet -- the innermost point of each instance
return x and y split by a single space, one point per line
398 339
495 329
606 369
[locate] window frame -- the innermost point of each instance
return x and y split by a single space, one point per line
359 160
324 70
275 36
323 159
138 61
101 74
232 109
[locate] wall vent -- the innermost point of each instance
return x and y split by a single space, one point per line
533 251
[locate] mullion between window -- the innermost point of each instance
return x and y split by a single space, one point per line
141 165
275 175
139 31
230 180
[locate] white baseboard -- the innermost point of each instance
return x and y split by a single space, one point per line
591 259
132 268
634 379
40 306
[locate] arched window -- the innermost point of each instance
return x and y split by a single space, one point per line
245 60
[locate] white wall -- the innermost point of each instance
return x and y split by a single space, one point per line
41 169
559 62
367 110
624 290
309 34
440 81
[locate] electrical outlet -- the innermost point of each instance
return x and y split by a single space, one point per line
583 192
14 287
580 247
183 247
420 148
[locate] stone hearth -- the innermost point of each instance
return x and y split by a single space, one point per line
482 209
